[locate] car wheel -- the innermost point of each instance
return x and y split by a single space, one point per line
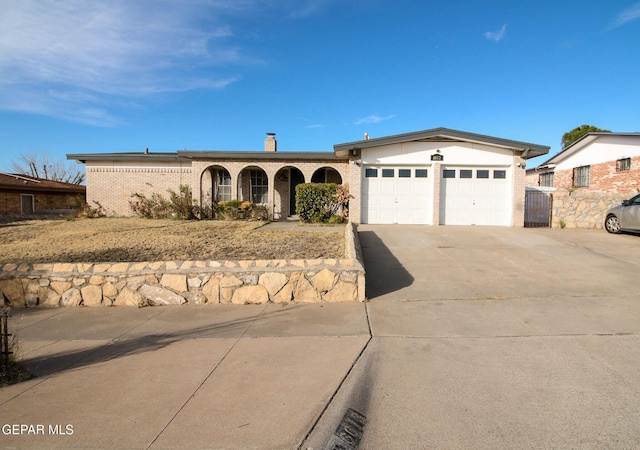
612 224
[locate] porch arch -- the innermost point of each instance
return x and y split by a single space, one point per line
286 178
254 184
327 174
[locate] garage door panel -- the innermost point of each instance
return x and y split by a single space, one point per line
396 199
474 201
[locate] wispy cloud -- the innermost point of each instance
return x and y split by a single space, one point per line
628 15
77 60
299 9
316 125
374 118
496 35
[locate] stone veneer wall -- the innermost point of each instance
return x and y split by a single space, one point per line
581 208
188 282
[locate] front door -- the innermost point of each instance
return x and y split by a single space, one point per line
295 178
26 204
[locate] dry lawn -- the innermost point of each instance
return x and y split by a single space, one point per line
133 239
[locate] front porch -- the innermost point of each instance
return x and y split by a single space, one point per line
269 184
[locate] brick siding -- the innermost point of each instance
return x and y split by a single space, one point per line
44 202
605 178
112 187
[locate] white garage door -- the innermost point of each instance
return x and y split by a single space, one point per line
475 196
396 195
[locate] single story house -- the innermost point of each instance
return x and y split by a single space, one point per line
437 176
588 177
26 196
598 161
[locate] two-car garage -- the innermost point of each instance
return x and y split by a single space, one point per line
439 177
405 195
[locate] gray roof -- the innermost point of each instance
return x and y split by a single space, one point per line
446 135
131 156
182 155
231 155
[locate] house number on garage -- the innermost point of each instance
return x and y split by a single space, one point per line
437 157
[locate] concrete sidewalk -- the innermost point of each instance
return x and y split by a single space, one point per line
210 376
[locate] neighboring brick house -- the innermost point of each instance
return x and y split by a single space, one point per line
590 175
438 176
25 196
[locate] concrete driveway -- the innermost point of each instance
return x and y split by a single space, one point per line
488 338
474 338
449 263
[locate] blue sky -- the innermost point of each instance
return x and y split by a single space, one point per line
120 75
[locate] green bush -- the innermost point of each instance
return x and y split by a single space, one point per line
322 202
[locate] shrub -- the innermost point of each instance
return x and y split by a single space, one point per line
227 210
235 209
322 202
11 371
91 212
259 212
154 207
180 205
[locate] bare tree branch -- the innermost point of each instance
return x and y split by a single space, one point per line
29 164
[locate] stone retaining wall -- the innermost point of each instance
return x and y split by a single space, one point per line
188 282
583 209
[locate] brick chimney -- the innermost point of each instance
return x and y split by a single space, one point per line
270 143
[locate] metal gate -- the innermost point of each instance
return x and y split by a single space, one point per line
537 208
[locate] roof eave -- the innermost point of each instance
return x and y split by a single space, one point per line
84 157
530 150
255 155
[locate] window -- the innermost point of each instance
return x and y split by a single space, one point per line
482 174
222 182
448 173
421 173
259 187
581 176
404 173
388 173
500 174
623 164
465 173
546 179
371 173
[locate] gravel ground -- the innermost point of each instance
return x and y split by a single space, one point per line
133 239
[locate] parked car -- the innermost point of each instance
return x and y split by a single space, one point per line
624 217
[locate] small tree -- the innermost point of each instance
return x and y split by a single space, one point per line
571 136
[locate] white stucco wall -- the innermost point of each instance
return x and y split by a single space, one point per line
603 149
454 153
